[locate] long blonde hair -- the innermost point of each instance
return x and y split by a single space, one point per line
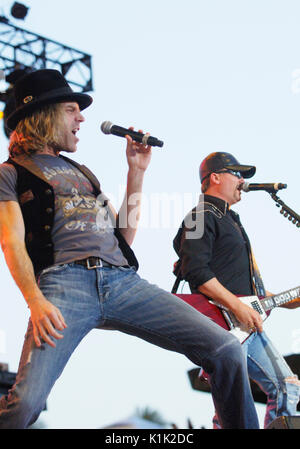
36 131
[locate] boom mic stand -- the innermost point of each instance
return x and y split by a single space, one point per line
286 211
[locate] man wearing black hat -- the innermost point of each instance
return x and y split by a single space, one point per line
216 260
71 258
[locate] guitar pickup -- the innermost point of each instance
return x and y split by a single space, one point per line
256 305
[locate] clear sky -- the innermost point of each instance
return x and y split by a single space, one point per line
202 76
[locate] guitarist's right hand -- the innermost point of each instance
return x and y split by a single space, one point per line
247 316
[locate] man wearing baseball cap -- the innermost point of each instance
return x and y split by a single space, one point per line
218 262
73 263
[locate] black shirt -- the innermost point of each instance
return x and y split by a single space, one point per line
221 250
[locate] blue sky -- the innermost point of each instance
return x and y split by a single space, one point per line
202 76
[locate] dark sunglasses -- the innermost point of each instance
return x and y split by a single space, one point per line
232 172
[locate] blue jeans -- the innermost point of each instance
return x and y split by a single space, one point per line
267 367
117 298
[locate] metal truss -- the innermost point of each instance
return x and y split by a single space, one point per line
22 49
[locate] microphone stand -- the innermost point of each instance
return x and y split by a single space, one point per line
286 211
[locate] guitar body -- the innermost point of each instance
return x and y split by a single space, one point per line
203 305
222 316
226 319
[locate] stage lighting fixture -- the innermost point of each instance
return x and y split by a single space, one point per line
19 11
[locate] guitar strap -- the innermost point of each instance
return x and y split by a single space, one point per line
177 273
257 282
257 279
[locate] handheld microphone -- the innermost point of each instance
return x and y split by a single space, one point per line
271 188
108 128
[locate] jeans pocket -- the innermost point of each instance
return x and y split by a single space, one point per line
127 269
54 269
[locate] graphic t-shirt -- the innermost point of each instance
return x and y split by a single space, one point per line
82 225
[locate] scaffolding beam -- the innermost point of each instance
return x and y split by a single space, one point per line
23 49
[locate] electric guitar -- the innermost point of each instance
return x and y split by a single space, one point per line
226 319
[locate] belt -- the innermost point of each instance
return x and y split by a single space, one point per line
93 262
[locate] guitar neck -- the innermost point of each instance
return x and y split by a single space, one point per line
270 302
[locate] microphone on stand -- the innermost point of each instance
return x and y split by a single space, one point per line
271 188
109 128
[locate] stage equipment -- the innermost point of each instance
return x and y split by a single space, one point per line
287 211
108 128
22 51
271 188
19 11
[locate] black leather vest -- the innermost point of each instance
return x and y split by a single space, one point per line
36 199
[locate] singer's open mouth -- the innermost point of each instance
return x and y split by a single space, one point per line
240 187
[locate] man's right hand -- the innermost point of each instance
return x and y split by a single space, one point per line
46 319
248 317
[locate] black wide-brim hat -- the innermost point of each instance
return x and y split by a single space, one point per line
218 161
40 88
